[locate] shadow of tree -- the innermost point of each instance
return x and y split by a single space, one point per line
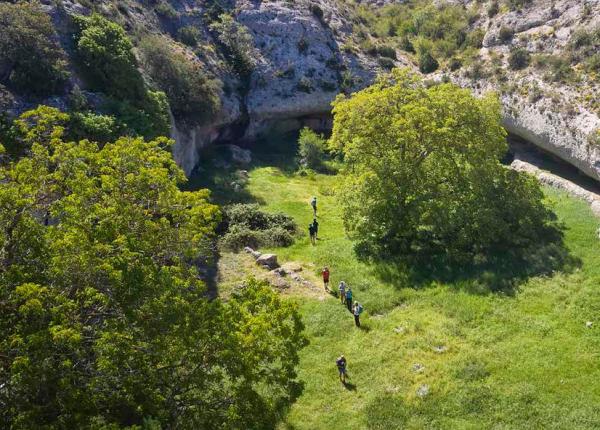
501 270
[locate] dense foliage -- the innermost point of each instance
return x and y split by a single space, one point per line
193 96
424 173
311 149
31 60
246 225
106 57
104 320
237 44
434 31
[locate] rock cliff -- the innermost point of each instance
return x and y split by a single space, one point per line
305 53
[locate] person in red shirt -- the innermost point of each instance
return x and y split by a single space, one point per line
325 273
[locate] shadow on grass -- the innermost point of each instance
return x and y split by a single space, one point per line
349 386
500 271
227 179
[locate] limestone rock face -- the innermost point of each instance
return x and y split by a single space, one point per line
306 54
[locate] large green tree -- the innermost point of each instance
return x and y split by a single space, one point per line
424 173
104 319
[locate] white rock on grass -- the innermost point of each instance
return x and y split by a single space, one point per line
423 390
268 260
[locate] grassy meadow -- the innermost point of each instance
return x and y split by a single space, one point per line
522 359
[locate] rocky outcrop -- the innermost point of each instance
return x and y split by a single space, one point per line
305 55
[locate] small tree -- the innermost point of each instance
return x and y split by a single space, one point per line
311 148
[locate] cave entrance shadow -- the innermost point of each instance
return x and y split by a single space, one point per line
500 271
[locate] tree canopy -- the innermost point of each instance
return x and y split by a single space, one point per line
424 174
104 318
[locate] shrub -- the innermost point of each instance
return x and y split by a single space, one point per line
305 85
427 64
166 10
493 9
188 35
475 38
517 4
311 148
454 64
246 225
192 95
237 43
505 34
31 60
387 51
106 57
518 59
94 127
387 63
151 121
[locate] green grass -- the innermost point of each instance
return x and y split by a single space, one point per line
516 361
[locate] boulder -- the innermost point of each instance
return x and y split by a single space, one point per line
268 260
423 390
240 155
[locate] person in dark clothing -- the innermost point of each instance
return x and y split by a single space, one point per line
341 365
349 298
313 203
316 227
357 310
311 233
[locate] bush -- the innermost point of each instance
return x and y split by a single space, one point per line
387 63
237 43
427 64
106 57
192 95
518 59
505 34
166 10
304 85
188 35
94 127
246 225
151 121
475 38
311 149
493 9
386 51
31 60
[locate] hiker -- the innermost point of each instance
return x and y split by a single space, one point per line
311 233
342 290
326 278
349 299
357 311
341 365
313 203
316 227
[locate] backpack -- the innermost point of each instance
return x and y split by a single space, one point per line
360 309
